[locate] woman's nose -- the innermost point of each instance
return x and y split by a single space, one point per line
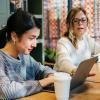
34 43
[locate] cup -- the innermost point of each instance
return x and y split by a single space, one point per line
62 85
98 64
98 59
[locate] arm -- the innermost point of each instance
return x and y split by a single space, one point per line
15 88
11 89
63 59
43 73
94 46
47 81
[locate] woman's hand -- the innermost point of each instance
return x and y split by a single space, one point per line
46 81
91 74
73 71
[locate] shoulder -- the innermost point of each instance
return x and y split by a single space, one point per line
1 56
28 59
63 40
88 38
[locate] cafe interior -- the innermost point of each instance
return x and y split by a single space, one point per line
51 19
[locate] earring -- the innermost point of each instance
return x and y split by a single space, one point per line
14 42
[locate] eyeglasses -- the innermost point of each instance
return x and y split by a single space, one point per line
82 20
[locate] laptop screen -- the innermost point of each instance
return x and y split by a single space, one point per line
82 72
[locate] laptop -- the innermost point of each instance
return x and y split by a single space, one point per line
80 75
82 72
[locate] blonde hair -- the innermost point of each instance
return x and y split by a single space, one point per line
73 39
69 22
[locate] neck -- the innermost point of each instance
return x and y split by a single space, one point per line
10 50
80 38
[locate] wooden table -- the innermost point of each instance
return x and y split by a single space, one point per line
91 91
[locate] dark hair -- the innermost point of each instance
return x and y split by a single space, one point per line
19 22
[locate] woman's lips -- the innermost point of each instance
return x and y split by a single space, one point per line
80 28
30 50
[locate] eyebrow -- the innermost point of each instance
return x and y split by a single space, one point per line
33 35
81 18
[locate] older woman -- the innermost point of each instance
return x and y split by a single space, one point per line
76 45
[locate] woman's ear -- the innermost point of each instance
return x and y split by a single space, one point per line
13 36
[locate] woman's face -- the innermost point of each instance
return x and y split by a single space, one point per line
79 24
27 42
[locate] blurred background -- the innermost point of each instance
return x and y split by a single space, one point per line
50 18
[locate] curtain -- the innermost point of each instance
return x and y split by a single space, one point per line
55 12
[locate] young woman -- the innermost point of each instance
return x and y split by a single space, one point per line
20 74
76 45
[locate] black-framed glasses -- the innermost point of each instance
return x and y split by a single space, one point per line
82 20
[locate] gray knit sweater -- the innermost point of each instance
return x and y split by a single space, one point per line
19 77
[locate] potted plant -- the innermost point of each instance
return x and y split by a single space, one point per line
50 55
